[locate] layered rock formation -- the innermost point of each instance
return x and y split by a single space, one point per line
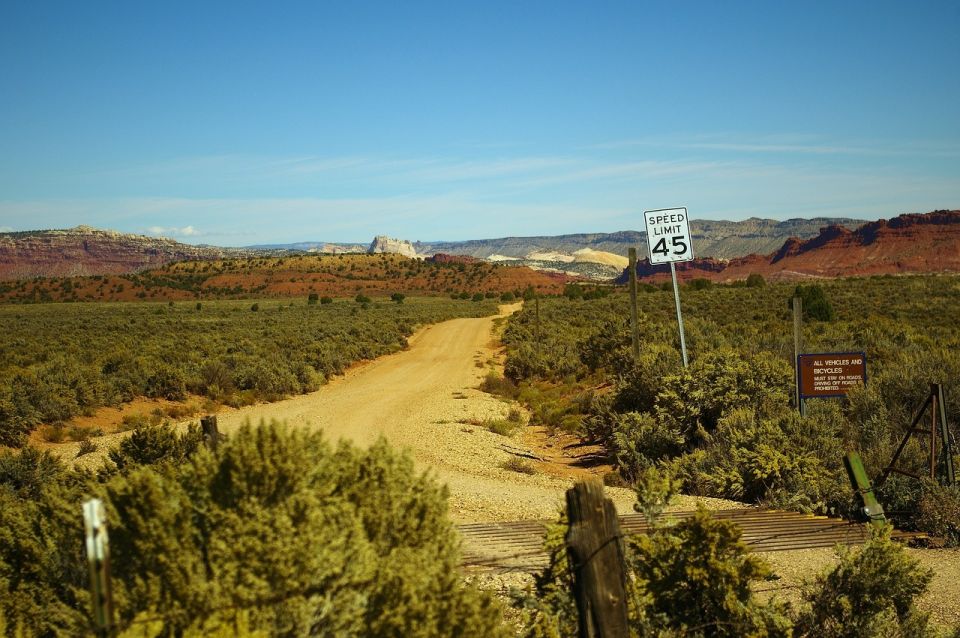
88 251
384 244
911 243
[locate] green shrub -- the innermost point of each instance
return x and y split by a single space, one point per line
503 427
938 512
326 300
814 302
756 280
166 382
275 532
696 578
781 460
638 441
871 593
493 383
699 284
691 579
150 444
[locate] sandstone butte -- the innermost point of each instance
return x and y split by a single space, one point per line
911 243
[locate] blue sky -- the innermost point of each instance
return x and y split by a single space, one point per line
238 123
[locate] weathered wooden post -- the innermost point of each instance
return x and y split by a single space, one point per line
634 319
595 549
211 434
798 350
536 307
98 557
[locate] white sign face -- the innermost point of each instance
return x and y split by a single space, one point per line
668 235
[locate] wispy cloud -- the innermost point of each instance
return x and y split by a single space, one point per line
783 144
6 229
173 231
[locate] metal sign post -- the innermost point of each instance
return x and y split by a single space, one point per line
669 241
676 298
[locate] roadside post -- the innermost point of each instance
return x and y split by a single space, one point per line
98 556
797 349
669 242
634 319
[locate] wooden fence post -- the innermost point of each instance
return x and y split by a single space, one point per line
595 550
797 351
634 314
211 434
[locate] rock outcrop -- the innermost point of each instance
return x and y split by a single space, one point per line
384 244
88 251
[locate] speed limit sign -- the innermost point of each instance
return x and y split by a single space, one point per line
668 235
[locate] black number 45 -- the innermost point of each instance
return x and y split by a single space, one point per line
680 246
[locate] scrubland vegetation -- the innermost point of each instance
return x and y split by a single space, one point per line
276 533
728 426
696 577
61 360
295 275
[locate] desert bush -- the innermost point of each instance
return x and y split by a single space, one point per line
690 579
871 593
493 383
517 464
777 459
86 447
276 531
16 421
28 471
755 280
638 442
696 578
503 427
166 382
150 444
938 511
814 302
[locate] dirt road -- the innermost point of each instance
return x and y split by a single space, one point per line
425 399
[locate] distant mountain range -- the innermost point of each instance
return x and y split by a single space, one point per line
911 243
795 248
720 239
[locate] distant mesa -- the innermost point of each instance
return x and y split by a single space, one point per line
384 244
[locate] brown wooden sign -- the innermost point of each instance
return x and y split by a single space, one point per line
830 374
